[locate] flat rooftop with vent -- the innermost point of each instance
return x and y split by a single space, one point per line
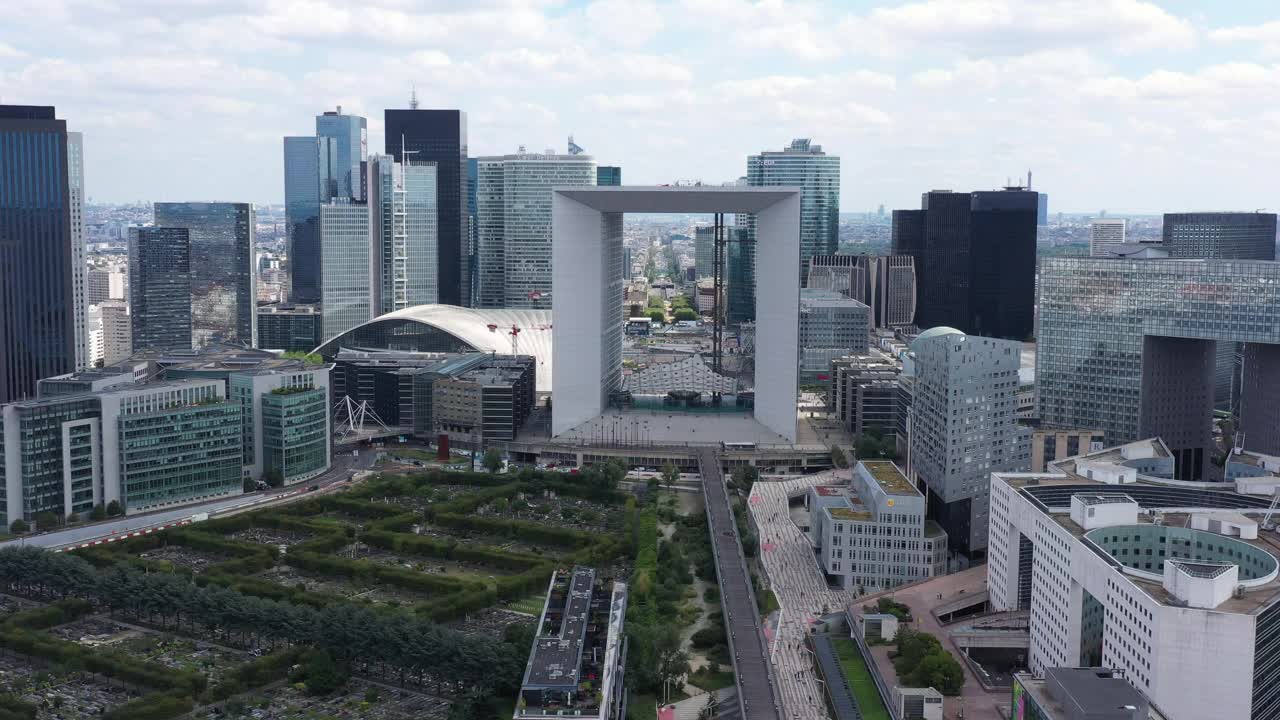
1173 583
575 666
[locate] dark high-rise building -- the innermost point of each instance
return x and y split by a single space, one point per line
975 260
223 273
440 137
302 216
344 142
1225 235
160 288
608 175
37 263
288 327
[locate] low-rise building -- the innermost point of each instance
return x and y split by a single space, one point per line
1068 693
873 534
290 327
831 326
484 403
286 422
864 394
579 654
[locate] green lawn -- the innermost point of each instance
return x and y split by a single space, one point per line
711 681
864 688
532 604
768 602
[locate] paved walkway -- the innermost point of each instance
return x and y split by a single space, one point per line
801 589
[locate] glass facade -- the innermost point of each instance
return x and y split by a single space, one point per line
397 334
44 430
160 288
608 175
346 272
37 265
490 217
302 216
180 454
817 174
295 438
223 272
1237 236
1098 316
346 142
742 278
292 328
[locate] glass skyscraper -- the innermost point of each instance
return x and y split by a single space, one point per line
344 141
817 174
404 198
513 208
160 288
37 263
440 137
347 268
223 272
1127 346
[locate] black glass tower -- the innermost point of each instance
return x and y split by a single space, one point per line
37 319
440 137
160 288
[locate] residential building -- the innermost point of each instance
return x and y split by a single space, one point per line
224 295
1121 566
804 165
405 219
851 525
1073 693
975 260
1212 235
864 394
160 289
513 209
1106 235
285 427
831 326
117 332
350 256
1128 347
579 636
39 260
290 327
962 427
608 175
439 138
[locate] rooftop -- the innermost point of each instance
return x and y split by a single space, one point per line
844 513
891 479
1095 692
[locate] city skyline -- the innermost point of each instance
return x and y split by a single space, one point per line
1115 104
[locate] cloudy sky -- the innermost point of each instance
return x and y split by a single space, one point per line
1120 104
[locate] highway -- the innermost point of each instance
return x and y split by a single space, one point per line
752 669
343 466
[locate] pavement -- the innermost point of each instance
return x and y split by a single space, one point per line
343 466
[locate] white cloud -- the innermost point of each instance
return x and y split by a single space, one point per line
1266 35
9 51
631 23
1227 79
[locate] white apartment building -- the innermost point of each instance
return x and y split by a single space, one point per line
1105 234
872 534
1174 583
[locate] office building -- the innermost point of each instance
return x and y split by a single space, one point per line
285 430
704 251
588 294
473 232
831 326
1042 209
160 287
1233 236
302 161
1128 347
117 331
1121 566
817 174
513 207
1049 445
885 283
289 327
38 261
106 283
608 175
845 274
975 260
741 300
76 197
224 293
962 427
439 138
864 394
350 267
1106 235
402 198
579 655
851 525
487 402
344 148
1072 693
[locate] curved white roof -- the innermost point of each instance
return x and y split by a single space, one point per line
471 325
938 331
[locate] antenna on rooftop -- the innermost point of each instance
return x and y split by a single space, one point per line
413 98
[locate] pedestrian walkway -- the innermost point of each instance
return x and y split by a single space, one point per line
797 581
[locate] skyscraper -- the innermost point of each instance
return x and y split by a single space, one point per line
704 251
741 298
817 174
403 198
160 288
224 297
75 187
975 260
344 141
349 266
1105 234
513 208
440 137
1230 236
37 260
963 427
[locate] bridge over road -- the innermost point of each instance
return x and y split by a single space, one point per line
752 670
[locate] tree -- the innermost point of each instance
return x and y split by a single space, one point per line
114 509
657 315
938 670
98 513
492 460
273 477
73 518
670 475
837 457
685 313
744 477
323 674
19 526
46 521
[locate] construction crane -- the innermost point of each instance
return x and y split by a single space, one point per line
514 332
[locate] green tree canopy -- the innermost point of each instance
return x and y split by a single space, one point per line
492 460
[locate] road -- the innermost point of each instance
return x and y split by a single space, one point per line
343 466
751 666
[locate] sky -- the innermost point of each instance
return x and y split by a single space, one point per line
1125 105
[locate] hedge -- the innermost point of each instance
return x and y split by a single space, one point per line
62 611
408 579
110 664
156 706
